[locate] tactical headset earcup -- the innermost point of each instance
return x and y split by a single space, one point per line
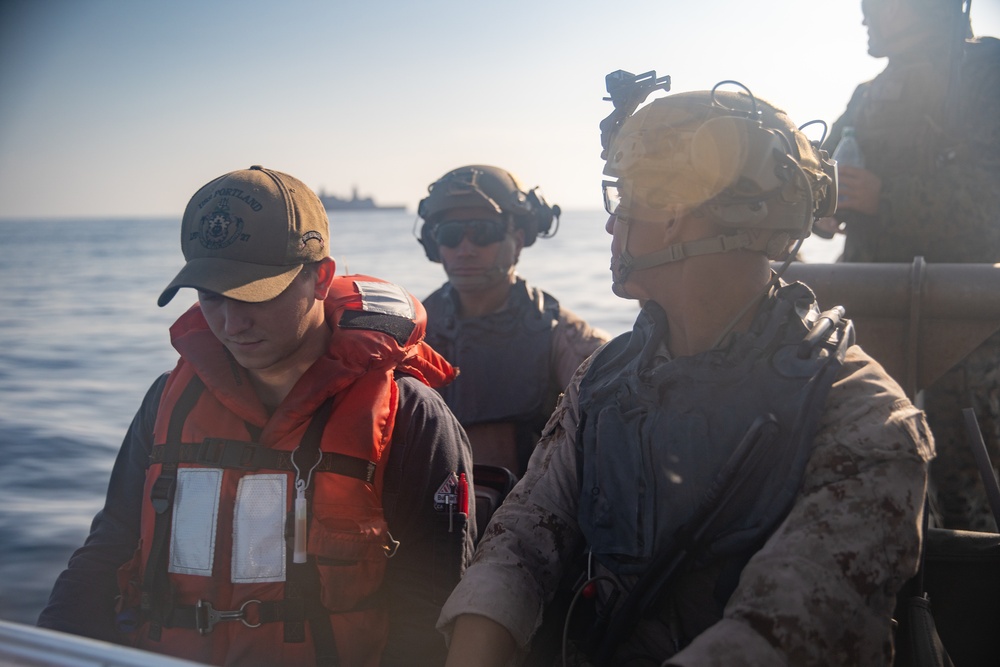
422 211
431 248
738 153
539 217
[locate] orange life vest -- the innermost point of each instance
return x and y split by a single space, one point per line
214 579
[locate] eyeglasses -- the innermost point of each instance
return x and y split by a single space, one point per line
480 232
612 197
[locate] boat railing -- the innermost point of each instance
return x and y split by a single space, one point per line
918 320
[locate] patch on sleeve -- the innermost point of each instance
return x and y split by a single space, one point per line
385 308
446 496
453 494
453 497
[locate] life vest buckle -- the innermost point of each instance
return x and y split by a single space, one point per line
162 494
390 546
206 616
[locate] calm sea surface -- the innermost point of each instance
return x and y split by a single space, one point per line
81 339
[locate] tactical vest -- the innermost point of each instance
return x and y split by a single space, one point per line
503 358
705 451
216 578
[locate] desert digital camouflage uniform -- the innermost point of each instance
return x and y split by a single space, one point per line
940 198
573 340
822 589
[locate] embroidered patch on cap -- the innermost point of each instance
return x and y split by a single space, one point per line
219 228
312 236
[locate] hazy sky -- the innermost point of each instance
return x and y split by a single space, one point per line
126 107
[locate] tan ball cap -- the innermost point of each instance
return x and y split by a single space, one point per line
247 234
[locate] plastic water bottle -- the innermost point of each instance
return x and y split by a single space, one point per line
848 152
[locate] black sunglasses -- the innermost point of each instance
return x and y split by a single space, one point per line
480 232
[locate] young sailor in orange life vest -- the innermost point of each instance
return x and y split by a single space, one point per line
293 492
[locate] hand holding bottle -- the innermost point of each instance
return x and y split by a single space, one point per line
858 190
826 228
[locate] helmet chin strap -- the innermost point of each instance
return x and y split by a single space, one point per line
627 263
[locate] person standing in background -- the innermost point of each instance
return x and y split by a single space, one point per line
515 347
928 128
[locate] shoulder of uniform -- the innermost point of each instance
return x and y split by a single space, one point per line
438 294
867 414
863 387
576 326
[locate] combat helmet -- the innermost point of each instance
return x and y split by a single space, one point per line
725 153
490 187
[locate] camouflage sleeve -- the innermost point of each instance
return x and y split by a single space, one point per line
572 342
822 589
518 564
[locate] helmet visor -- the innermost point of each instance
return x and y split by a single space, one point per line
621 199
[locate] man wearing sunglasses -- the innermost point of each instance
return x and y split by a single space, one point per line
516 348
739 483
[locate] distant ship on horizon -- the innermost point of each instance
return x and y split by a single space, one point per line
355 203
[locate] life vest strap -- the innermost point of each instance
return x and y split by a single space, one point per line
254 613
242 455
155 596
303 585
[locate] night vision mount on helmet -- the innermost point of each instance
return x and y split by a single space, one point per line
728 154
489 187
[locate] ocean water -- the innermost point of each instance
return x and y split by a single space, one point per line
81 339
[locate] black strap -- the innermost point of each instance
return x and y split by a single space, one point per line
156 599
191 617
243 455
324 641
302 585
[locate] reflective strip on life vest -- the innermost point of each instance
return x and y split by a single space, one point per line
259 529
385 298
196 513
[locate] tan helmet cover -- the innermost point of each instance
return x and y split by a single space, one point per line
705 149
